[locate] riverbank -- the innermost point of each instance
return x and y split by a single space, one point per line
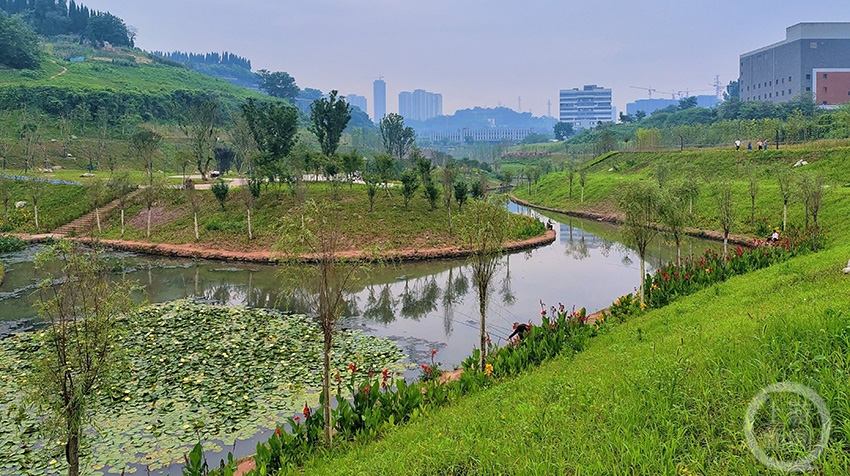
617 220
197 252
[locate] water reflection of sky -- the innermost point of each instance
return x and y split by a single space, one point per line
421 306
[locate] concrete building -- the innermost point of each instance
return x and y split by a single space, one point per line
357 101
482 135
814 58
587 107
420 105
379 99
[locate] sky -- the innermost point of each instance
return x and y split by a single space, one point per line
480 52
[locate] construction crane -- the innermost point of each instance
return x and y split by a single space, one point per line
649 90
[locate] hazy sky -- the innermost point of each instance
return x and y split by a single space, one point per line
476 52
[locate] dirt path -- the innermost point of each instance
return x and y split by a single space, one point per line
60 73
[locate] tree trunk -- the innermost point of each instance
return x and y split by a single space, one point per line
482 309
642 279
195 216
148 229
449 209
582 194
725 242
326 386
752 209
122 223
35 212
678 250
784 214
72 452
97 216
815 232
250 233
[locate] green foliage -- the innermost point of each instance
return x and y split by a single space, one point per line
461 191
278 84
18 44
397 138
11 243
328 119
409 185
220 190
273 127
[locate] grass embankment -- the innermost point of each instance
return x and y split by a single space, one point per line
663 394
389 227
57 205
710 166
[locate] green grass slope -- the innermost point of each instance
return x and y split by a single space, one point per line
605 177
663 394
123 76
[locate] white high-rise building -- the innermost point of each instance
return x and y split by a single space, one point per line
420 105
587 107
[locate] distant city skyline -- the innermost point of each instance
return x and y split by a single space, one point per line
479 53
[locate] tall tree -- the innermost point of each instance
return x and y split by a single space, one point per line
82 308
328 119
314 230
483 227
639 203
409 185
385 169
397 138
198 123
674 215
146 142
273 127
278 84
352 162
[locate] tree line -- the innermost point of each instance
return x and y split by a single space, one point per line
194 59
58 17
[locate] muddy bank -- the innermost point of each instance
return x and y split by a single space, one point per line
195 251
616 219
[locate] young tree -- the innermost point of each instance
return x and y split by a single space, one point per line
252 194
753 187
461 193
448 178
785 181
571 174
811 192
372 183
82 308
331 167
397 138
152 192
198 123
146 142
674 215
385 168
97 193
220 190
315 231
725 210
409 185
224 158
35 186
192 197
328 119
123 185
351 163
483 227
689 188
431 193
476 190
582 180
639 203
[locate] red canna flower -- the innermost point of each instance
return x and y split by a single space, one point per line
306 411
385 372
297 418
352 367
433 352
277 432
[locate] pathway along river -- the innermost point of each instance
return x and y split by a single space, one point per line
421 306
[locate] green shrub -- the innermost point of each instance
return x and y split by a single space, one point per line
11 243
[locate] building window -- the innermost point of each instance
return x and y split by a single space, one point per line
789 92
808 89
783 92
770 83
824 75
783 80
771 94
813 45
789 79
824 103
808 76
824 89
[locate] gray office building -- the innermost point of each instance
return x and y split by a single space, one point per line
587 107
357 101
813 58
379 93
420 105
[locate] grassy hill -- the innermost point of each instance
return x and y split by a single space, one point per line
124 80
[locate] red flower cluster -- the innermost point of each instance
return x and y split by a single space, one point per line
352 368
306 411
426 368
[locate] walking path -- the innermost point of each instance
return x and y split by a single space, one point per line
60 73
